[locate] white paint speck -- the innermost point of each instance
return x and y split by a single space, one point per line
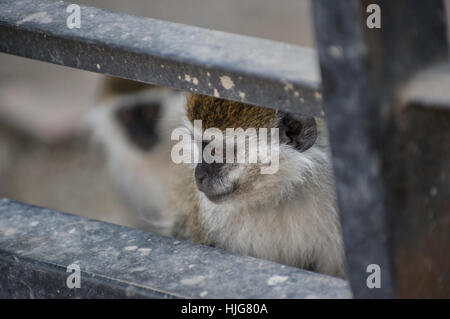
41 17
227 82
288 87
163 66
216 93
242 95
203 293
335 51
275 280
195 81
72 231
130 248
176 242
318 96
208 74
10 231
187 78
433 191
296 94
374 167
191 281
144 251
98 66
35 223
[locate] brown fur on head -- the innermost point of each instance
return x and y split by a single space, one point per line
222 114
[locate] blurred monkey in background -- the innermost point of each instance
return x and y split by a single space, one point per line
133 122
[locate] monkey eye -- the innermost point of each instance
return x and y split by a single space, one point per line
217 150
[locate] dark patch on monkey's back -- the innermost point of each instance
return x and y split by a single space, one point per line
222 114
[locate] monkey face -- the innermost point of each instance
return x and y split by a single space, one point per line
249 181
212 180
231 181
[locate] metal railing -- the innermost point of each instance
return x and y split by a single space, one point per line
38 245
379 86
165 53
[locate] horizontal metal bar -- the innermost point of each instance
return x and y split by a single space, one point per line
214 63
429 88
37 245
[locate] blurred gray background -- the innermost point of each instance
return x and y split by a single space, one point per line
45 159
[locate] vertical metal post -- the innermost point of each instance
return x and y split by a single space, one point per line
363 71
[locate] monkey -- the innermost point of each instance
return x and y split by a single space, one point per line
289 217
132 121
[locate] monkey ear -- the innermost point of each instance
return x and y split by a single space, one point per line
298 131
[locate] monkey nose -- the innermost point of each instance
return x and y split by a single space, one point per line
201 177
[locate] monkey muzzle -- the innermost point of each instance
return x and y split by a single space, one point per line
210 181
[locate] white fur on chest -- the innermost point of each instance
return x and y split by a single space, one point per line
296 234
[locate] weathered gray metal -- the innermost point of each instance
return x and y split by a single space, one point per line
392 169
214 63
37 245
